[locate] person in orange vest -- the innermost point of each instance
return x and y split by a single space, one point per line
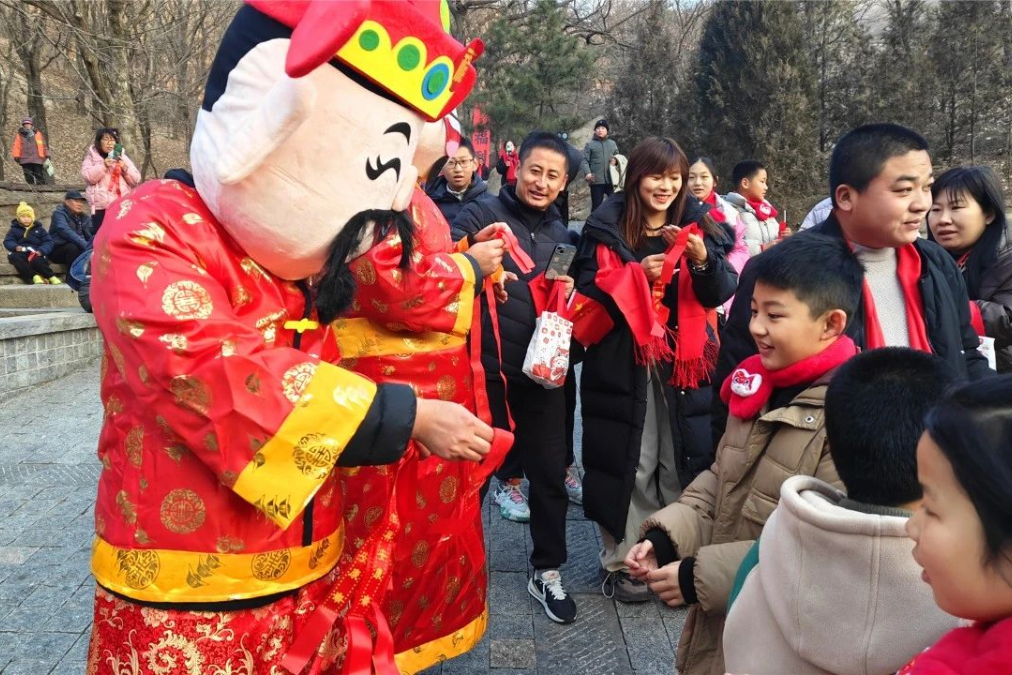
30 151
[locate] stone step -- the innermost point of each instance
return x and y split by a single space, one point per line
9 275
40 296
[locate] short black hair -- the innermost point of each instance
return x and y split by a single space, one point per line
546 140
821 271
862 152
972 426
747 168
465 142
875 409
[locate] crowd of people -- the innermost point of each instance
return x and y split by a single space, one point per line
108 174
752 398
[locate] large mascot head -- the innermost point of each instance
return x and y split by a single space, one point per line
312 115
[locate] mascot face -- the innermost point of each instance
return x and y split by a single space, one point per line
293 141
344 149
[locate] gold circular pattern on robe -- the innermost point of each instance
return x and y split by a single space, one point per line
365 272
182 511
315 454
448 489
186 300
139 567
271 565
420 553
134 445
446 387
296 379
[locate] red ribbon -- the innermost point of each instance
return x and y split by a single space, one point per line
516 252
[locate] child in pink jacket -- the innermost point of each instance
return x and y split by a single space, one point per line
109 173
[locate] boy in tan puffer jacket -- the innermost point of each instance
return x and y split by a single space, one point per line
806 290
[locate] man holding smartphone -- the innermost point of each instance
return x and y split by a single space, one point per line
527 210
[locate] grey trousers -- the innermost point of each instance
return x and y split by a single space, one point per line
656 483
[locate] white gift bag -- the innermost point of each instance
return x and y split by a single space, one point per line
547 360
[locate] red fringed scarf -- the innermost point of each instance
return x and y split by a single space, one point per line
908 270
750 386
763 208
714 211
695 354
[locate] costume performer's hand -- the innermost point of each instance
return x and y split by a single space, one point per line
449 431
488 254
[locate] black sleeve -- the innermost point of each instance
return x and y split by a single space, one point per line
718 282
584 271
687 580
384 433
664 548
976 363
736 345
467 222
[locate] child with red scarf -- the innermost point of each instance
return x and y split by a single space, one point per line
805 293
963 530
762 229
651 270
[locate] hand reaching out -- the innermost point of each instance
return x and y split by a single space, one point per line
641 560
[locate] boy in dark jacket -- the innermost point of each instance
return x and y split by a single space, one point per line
914 296
70 228
28 244
458 183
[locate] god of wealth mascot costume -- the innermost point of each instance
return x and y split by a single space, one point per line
220 540
410 326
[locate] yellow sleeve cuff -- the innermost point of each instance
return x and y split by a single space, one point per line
288 470
462 324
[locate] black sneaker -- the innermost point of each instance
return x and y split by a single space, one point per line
546 587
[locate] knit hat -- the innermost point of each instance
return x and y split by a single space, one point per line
602 123
27 120
25 210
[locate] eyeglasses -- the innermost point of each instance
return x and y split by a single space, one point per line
462 163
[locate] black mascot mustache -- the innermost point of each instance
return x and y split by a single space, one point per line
336 286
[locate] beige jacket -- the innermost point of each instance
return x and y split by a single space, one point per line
836 592
723 510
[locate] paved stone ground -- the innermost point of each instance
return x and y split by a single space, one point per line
48 474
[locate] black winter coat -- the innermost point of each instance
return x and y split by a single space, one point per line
613 387
35 237
538 232
448 203
946 315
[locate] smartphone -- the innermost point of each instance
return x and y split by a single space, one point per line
562 260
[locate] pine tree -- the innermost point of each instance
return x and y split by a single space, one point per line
531 72
650 95
904 79
756 96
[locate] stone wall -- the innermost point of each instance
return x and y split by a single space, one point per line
38 348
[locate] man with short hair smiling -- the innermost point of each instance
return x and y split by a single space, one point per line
458 183
880 178
540 446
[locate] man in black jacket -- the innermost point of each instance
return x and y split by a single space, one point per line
539 413
70 228
458 182
880 179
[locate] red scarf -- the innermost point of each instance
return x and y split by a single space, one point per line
975 650
908 270
715 211
764 210
750 386
695 354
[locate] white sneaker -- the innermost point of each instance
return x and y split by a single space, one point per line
512 502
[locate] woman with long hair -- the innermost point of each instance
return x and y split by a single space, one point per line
653 263
109 173
967 218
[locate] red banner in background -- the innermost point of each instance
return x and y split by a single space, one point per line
482 140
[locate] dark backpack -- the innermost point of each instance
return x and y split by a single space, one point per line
79 278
